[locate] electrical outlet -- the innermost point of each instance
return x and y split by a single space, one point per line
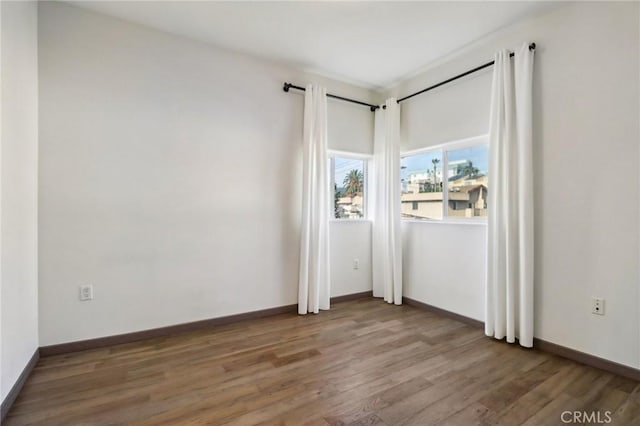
86 292
597 306
356 264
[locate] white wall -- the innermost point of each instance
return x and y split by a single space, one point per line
18 195
170 178
586 137
350 240
444 265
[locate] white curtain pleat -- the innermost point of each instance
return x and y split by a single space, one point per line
313 284
387 239
509 288
377 195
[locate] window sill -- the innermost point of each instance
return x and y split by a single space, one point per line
447 222
349 220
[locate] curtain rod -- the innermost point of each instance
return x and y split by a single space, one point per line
532 46
288 86
372 107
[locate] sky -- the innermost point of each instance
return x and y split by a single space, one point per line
344 166
478 155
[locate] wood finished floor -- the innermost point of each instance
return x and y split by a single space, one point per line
362 363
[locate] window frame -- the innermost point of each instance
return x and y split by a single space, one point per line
481 140
366 166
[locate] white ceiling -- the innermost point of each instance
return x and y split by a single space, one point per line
372 44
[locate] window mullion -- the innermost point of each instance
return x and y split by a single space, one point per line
332 204
445 184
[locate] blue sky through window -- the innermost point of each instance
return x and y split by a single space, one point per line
419 163
343 166
478 155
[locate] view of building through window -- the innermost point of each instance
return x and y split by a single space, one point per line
421 177
467 181
464 176
348 186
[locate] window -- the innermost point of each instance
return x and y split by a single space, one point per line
460 167
349 187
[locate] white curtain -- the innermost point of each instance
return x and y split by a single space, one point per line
313 284
387 239
509 290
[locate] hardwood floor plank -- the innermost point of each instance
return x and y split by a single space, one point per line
364 362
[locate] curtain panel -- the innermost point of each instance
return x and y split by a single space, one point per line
313 284
509 287
387 238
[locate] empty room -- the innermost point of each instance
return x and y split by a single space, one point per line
319 213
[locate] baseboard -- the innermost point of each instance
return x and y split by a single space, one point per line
100 342
17 386
443 312
587 359
543 345
353 296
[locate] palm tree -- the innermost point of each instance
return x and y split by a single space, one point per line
435 162
353 182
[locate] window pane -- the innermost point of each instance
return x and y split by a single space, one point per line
468 181
348 178
421 177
